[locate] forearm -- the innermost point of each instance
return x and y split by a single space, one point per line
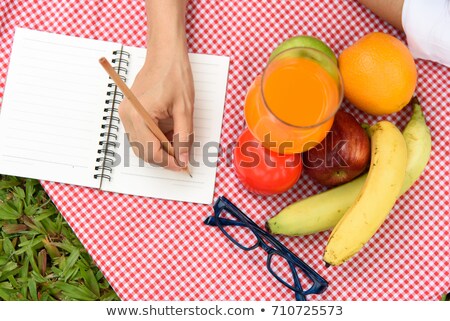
166 24
389 10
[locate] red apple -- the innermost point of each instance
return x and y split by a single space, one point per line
343 155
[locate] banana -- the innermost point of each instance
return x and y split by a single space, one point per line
323 211
378 195
418 142
316 213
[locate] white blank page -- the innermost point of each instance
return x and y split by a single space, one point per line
52 109
131 176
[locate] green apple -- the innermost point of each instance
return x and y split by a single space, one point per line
305 42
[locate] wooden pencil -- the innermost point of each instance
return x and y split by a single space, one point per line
165 143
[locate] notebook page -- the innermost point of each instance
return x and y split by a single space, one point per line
52 110
132 176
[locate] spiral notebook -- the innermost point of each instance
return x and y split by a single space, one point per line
59 119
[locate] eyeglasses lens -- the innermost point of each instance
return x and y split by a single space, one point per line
279 266
239 234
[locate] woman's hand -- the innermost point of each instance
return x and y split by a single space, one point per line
165 88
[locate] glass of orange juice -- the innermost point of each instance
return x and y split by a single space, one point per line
291 106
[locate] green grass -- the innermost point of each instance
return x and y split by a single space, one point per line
40 256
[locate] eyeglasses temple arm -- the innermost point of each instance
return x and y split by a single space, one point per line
212 221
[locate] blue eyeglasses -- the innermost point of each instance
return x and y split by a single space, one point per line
281 262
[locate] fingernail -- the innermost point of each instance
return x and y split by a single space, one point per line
184 159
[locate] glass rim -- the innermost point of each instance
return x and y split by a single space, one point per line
232 212
296 288
341 84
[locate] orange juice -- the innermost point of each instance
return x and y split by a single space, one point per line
291 107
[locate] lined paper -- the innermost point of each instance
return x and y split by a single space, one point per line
135 177
52 110
52 116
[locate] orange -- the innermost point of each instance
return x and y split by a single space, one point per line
379 74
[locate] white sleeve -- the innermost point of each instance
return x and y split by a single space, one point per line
427 27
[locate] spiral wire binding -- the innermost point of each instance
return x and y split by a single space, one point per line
109 137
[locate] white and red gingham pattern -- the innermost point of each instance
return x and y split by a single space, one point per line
160 250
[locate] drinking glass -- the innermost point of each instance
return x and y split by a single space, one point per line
291 106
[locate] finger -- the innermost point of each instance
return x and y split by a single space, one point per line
169 135
182 134
124 114
127 114
152 151
166 124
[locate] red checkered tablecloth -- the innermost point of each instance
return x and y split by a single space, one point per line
151 249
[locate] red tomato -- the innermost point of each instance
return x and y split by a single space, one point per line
262 171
